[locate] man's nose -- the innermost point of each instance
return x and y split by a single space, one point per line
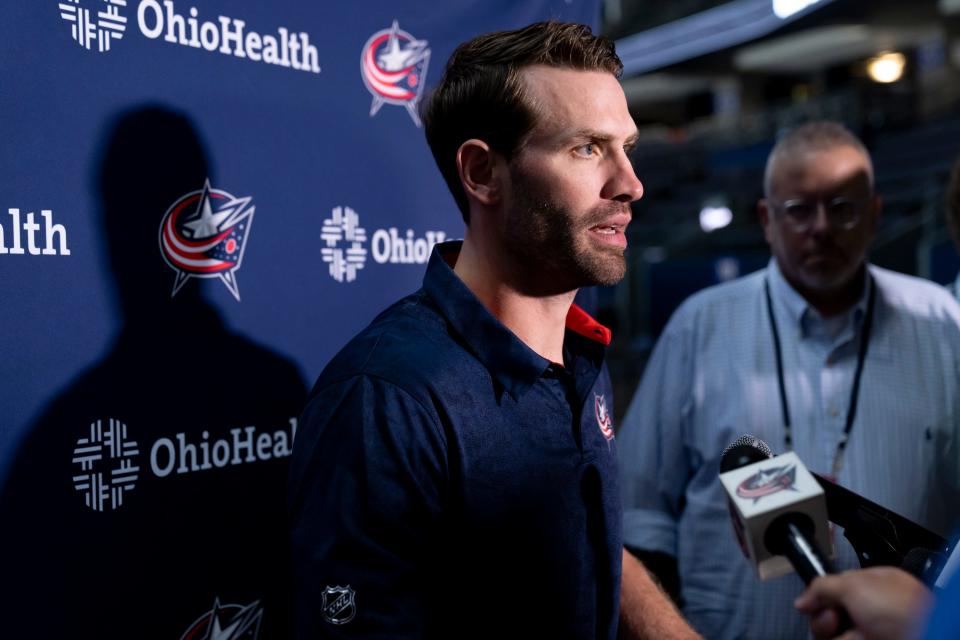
623 185
821 222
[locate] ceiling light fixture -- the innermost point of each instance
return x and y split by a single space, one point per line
715 217
886 67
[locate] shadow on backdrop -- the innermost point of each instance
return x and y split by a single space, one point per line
187 543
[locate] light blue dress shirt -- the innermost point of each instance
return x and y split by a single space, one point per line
712 377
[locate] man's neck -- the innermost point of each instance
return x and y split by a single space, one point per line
538 321
836 301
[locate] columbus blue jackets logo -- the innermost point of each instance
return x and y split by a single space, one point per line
766 482
338 605
204 234
604 421
227 622
393 65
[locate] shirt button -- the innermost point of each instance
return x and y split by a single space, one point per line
833 411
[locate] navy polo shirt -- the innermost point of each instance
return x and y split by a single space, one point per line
448 482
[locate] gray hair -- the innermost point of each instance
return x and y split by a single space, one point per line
822 135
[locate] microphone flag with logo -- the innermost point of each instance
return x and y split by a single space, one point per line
778 509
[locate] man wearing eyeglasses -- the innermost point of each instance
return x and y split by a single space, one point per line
854 367
819 214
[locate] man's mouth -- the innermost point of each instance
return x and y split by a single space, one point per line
825 254
607 230
611 232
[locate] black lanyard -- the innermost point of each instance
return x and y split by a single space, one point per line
854 392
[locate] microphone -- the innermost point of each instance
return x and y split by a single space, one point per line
778 509
878 536
744 450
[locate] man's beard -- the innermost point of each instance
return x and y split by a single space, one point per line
551 244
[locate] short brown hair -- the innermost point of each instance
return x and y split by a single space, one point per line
481 95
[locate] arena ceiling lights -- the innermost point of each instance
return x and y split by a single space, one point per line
821 47
712 30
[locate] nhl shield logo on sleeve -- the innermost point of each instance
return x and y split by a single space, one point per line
338 605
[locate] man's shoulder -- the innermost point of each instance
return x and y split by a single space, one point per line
408 345
916 296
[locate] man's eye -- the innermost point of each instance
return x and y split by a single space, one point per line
799 210
588 149
841 207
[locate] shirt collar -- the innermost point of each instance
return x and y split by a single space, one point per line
515 365
801 315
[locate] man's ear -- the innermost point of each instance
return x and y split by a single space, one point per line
480 172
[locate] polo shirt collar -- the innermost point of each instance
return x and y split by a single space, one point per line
515 365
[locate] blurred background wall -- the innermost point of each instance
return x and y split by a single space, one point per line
712 84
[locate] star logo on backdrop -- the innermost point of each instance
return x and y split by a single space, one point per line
204 234
393 65
227 622
205 223
396 58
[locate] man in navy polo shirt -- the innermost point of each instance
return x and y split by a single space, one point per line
454 471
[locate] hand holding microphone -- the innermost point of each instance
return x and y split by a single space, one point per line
884 603
779 514
880 602
879 536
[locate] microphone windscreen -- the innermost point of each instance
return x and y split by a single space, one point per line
744 450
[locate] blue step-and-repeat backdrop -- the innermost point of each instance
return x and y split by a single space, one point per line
200 202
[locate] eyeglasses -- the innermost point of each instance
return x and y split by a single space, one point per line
801 214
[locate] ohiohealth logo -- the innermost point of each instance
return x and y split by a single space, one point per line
101 21
107 459
204 234
344 238
345 252
102 25
393 65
